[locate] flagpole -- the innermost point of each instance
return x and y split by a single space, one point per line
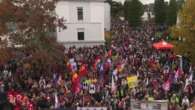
181 61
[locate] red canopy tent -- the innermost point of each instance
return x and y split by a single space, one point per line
162 45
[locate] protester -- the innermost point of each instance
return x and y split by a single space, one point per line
97 76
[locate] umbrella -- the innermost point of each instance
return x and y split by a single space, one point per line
162 45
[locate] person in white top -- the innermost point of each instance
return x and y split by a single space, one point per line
185 102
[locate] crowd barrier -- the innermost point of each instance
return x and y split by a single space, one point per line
149 105
91 108
136 105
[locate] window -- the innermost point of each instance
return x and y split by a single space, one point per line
80 13
81 34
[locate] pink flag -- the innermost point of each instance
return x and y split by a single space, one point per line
178 74
113 86
166 85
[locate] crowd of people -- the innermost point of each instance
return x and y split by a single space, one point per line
97 76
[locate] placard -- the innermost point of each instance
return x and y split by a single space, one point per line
149 105
91 108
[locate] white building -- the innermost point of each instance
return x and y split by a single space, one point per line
147 15
86 21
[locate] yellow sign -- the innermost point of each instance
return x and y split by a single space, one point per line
132 81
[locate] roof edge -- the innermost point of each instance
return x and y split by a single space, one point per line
86 0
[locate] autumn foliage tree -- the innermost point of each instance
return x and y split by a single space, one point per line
185 30
29 23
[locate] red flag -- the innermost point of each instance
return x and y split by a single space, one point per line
83 70
25 101
75 83
109 53
97 60
19 98
31 106
11 96
18 107
69 67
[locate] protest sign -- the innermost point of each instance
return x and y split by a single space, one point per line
91 108
149 105
132 81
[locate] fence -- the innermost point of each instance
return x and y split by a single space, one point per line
137 105
91 108
149 105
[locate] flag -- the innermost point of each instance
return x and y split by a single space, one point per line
147 81
19 98
56 101
11 98
132 81
72 65
191 74
110 53
191 77
75 77
190 70
188 81
68 65
176 75
31 106
55 76
75 83
109 61
25 101
59 80
17 107
83 70
120 67
113 85
96 62
114 73
107 66
166 85
101 70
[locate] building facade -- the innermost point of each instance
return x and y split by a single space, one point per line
86 22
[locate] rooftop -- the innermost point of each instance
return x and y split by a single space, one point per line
86 0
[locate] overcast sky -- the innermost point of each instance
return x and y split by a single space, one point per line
143 1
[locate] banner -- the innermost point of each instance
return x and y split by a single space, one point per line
132 81
149 105
91 108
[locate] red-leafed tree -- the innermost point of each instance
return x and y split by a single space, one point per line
31 24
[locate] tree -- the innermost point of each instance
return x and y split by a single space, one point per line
133 12
185 30
116 8
172 13
28 23
160 11
180 4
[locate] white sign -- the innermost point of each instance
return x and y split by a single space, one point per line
149 105
91 108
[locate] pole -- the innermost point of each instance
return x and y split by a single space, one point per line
181 61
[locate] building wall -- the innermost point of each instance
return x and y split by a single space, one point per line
107 16
93 32
94 22
97 15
